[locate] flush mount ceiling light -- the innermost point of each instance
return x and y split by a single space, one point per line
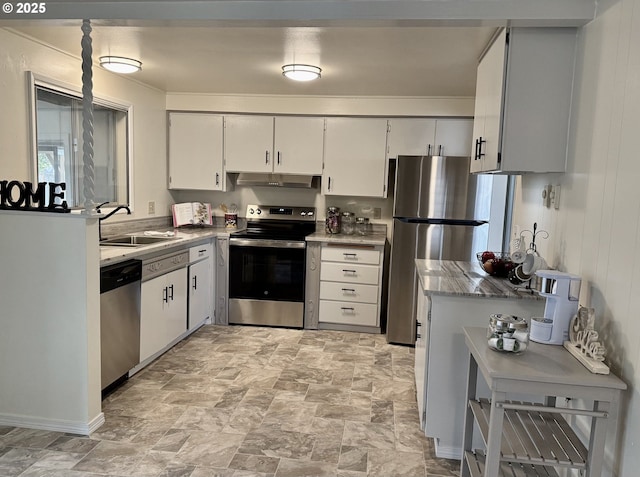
301 72
119 64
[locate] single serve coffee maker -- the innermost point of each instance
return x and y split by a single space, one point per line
561 291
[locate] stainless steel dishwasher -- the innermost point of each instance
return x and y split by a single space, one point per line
119 319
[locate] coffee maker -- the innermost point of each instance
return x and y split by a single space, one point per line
561 291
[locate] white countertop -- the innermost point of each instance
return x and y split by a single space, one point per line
449 277
181 237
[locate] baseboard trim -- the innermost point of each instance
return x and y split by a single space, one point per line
57 425
447 452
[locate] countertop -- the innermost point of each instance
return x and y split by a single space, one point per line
181 237
372 239
457 278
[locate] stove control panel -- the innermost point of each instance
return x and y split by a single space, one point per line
277 212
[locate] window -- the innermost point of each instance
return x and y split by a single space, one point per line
58 145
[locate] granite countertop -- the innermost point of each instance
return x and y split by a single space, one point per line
372 239
449 277
181 237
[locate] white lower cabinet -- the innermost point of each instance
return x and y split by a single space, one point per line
350 285
200 284
163 315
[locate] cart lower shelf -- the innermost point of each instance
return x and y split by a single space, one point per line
475 462
531 436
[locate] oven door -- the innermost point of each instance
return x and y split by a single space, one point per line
266 282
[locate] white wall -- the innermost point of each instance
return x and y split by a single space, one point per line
596 231
19 55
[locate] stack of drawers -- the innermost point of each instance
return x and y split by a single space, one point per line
350 285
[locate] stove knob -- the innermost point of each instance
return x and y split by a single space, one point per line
310 213
251 211
303 213
258 211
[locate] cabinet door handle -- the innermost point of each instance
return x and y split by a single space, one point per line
171 296
165 295
440 150
480 143
429 150
418 336
476 156
195 282
329 185
217 179
278 157
266 157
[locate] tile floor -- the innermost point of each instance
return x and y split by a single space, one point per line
249 401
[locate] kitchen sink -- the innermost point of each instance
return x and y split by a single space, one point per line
133 241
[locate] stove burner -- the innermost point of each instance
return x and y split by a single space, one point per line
278 222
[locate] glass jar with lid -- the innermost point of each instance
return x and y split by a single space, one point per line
348 224
332 223
362 225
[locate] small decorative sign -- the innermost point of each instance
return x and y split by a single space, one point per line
16 195
583 342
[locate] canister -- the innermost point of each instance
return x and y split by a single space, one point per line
348 224
362 225
332 223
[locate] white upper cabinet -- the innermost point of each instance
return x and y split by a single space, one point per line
423 136
283 144
196 152
453 137
298 146
523 101
248 143
411 137
355 162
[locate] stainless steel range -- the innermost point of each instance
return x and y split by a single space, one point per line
267 266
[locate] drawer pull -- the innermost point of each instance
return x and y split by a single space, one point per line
350 290
347 308
348 271
350 255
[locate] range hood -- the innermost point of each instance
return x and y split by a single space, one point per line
274 180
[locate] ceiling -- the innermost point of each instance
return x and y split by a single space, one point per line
355 60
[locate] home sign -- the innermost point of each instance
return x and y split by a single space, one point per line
16 195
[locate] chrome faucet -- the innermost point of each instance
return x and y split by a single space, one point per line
100 219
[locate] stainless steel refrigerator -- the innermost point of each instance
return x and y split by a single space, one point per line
440 212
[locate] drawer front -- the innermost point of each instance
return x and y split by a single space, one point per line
349 273
365 314
200 251
351 255
351 292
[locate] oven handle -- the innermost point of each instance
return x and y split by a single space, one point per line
239 242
